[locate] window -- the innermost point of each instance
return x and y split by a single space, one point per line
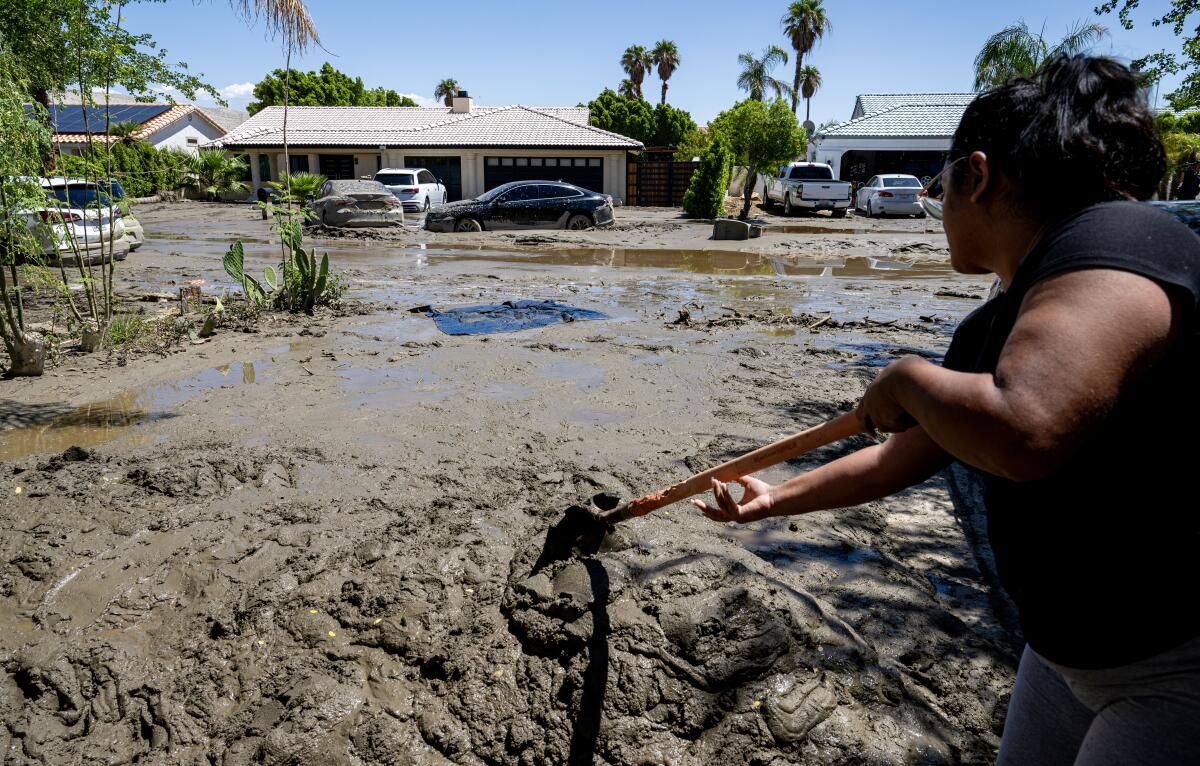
811 173
593 162
426 177
557 191
551 162
873 182
493 161
193 142
264 167
299 163
522 162
535 162
903 182
506 161
395 179
520 193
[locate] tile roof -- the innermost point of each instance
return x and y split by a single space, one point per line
910 121
175 112
869 103
504 126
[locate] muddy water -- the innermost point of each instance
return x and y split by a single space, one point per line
113 420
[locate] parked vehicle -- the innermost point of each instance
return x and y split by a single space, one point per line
70 234
890 194
808 186
525 205
79 193
357 203
416 188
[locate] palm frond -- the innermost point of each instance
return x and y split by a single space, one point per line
1012 52
286 19
1080 38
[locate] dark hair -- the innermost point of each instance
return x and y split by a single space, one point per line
1076 133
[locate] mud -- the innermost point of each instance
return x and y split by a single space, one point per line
342 557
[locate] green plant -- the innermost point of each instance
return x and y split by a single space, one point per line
1016 51
631 117
214 173
446 90
705 195
755 76
810 83
1155 65
298 187
666 57
760 136
301 283
125 132
235 262
693 145
326 87
636 61
805 22
127 329
671 125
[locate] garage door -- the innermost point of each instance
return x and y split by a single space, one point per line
587 172
448 169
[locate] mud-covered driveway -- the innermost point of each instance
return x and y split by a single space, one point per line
313 542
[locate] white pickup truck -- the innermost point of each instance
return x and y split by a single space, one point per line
808 186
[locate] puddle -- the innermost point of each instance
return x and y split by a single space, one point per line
48 431
789 228
584 375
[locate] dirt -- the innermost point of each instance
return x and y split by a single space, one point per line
321 540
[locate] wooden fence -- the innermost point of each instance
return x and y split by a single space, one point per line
658 183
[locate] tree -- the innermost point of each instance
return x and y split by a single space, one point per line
631 117
804 23
1155 65
810 83
694 145
327 87
446 90
627 89
636 61
125 132
760 136
756 73
671 125
1016 51
215 174
300 187
705 195
666 57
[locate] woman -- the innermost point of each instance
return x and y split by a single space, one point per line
1071 393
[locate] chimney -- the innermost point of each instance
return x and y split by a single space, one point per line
461 104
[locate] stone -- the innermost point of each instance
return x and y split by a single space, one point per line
730 228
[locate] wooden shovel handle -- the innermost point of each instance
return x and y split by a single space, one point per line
841 427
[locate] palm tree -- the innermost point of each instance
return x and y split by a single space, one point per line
1016 51
287 19
214 173
125 132
666 58
627 89
301 187
810 83
636 62
756 73
804 24
446 90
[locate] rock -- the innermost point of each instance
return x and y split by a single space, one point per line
729 228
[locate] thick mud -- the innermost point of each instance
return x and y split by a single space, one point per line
326 542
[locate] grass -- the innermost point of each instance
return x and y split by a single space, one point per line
127 329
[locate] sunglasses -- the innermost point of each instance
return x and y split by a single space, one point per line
932 198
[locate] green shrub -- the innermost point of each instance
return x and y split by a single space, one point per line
705 196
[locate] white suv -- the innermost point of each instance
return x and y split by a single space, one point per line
416 188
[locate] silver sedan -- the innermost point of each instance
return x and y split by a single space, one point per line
891 194
357 203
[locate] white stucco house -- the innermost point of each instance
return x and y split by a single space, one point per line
892 133
164 126
470 148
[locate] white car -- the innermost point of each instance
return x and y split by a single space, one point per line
416 188
80 193
72 234
890 194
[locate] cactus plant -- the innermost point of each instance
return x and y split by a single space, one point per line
299 284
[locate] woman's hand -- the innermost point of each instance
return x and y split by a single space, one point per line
755 503
880 408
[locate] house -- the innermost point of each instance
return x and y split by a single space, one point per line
164 126
470 148
892 133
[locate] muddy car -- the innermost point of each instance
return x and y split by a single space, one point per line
357 203
525 205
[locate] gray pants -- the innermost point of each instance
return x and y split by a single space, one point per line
1145 714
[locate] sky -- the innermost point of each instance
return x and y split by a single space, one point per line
558 53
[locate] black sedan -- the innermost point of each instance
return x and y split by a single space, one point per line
524 205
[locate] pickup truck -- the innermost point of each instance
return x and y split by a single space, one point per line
808 186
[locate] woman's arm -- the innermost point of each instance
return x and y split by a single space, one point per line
1081 338
903 460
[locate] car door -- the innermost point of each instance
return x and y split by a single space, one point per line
429 190
510 210
864 194
553 204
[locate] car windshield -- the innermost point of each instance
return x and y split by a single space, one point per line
803 173
904 182
79 195
396 179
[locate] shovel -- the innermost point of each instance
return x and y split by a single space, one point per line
582 529
841 427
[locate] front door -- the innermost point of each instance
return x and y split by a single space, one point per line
337 167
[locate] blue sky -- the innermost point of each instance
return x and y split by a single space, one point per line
552 52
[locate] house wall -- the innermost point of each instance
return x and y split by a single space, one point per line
472 163
830 150
176 135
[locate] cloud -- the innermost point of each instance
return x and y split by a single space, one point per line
237 90
422 100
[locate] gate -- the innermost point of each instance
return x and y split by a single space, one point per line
658 183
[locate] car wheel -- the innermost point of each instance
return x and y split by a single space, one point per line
871 209
839 213
579 222
787 204
468 224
